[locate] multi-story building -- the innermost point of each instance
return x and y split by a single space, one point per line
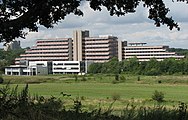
96 49
73 55
59 49
13 45
80 48
92 49
145 53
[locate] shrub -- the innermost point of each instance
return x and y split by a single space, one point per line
84 78
1 80
76 78
158 96
122 78
114 82
138 79
82 97
159 81
115 96
117 77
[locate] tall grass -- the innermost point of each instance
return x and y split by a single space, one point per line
16 105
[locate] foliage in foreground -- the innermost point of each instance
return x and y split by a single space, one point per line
16 105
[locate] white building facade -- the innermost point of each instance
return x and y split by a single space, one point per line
66 67
45 68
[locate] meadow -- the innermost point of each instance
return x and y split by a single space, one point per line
100 89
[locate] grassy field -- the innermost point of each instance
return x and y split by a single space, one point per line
95 89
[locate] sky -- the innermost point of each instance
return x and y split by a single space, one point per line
134 27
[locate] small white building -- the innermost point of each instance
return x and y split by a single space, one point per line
34 68
17 70
46 67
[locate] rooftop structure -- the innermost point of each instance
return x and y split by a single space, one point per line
137 44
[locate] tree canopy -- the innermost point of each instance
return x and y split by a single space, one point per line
17 15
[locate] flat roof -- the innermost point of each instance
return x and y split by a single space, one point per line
16 66
137 43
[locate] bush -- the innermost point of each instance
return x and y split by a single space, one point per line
114 82
122 78
84 78
158 96
115 96
138 79
159 81
1 80
117 77
76 78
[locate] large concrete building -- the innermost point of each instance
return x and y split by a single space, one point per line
81 47
71 55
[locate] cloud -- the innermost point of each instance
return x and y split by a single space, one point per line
134 27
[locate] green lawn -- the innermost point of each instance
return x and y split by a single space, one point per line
101 88
106 90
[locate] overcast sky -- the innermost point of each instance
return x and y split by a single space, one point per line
134 27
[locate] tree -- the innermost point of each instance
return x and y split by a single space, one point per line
8 57
95 68
18 15
112 66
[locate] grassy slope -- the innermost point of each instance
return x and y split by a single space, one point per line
104 90
100 88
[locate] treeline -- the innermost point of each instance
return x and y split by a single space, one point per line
7 57
179 51
133 66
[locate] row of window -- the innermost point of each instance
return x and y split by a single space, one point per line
143 51
142 48
60 68
48 52
152 55
46 41
53 45
66 63
48 48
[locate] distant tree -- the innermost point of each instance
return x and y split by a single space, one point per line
95 68
152 67
8 57
112 66
17 15
3 64
131 66
179 51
